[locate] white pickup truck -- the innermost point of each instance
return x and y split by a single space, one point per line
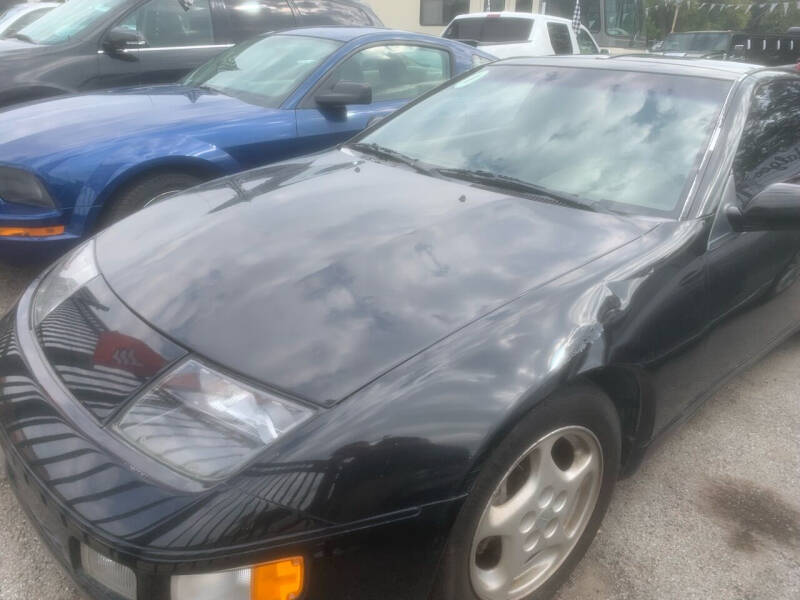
507 34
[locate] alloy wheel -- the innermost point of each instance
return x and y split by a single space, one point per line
536 515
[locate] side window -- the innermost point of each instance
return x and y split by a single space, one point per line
325 12
253 17
172 23
769 151
441 12
396 72
559 38
586 44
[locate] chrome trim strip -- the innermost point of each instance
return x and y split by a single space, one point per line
205 47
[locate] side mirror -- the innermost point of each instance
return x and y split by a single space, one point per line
604 51
120 39
777 208
345 93
738 51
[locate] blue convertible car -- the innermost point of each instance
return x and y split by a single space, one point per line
68 166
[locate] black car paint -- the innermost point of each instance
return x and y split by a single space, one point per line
30 71
657 312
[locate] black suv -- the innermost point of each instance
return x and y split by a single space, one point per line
98 44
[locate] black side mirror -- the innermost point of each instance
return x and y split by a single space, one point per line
777 208
120 39
345 93
738 51
604 51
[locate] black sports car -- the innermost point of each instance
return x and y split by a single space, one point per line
415 366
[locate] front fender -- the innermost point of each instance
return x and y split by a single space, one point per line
129 161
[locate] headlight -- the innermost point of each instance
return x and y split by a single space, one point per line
21 187
279 580
67 277
205 424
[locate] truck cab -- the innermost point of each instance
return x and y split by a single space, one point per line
511 34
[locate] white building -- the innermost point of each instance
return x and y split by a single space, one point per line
431 16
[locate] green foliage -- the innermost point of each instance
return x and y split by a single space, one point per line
737 16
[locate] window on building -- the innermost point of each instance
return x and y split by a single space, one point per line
590 11
441 12
524 6
622 18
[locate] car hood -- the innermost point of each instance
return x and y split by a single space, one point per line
42 129
316 276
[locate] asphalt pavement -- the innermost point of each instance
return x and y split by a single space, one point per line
714 513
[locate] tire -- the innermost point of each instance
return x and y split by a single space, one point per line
580 417
136 196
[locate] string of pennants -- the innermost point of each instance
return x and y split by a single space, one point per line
768 7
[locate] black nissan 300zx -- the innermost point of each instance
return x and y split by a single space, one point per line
415 366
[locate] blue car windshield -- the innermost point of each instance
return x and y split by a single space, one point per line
263 71
623 141
68 21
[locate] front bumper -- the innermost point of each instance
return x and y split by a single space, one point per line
76 491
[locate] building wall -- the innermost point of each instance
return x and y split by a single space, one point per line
405 14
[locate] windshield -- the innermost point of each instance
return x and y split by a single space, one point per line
263 71
68 21
697 42
625 141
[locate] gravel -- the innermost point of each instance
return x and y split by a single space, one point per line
713 513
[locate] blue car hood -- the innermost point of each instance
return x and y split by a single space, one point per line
54 127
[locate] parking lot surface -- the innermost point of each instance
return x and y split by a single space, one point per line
714 513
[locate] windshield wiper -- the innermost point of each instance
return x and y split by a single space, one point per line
513 184
384 153
22 36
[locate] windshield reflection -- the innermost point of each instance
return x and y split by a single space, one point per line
628 141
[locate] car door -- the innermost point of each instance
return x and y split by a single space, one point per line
754 299
178 37
397 72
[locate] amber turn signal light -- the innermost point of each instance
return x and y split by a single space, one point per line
279 580
31 231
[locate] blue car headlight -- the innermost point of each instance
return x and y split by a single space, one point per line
206 424
21 187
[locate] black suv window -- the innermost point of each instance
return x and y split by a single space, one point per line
770 148
170 23
325 12
559 38
253 17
